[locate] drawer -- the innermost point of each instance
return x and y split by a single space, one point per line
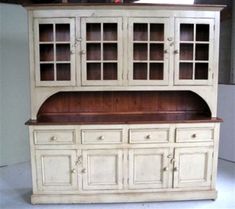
149 135
102 136
54 136
194 134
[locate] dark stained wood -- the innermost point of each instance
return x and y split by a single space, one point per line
123 107
186 71
140 51
186 51
187 120
140 71
110 32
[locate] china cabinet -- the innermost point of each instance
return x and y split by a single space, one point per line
123 102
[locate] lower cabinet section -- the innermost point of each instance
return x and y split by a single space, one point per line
192 167
102 169
148 168
56 170
105 169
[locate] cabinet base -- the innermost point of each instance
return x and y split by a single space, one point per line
127 197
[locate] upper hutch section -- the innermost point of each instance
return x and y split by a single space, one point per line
82 45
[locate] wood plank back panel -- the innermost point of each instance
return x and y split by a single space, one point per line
139 105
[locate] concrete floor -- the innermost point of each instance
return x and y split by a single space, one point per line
15 190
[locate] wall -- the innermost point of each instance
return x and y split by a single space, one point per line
14 85
232 75
1 149
226 110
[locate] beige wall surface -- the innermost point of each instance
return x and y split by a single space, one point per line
14 88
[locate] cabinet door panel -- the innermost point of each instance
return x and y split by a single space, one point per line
101 51
54 41
102 169
148 168
148 51
56 170
193 51
193 167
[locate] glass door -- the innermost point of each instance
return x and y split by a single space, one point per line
101 51
193 51
148 51
55 51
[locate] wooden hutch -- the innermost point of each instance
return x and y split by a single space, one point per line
123 102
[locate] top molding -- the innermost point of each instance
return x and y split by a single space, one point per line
96 6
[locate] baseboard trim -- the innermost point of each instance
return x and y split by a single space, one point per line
127 197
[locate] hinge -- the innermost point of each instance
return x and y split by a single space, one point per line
122 180
212 75
213 27
127 157
128 181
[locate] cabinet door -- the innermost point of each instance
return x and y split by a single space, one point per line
102 169
148 51
56 170
192 167
54 40
101 51
194 51
148 168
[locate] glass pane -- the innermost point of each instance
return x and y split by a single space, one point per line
110 71
93 52
186 51
201 71
110 52
45 32
140 32
156 51
62 52
140 52
202 51
63 72
186 32
46 72
93 71
156 32
140 71
156 71
186 71
110 31
46 52
93 31
62 32
202 32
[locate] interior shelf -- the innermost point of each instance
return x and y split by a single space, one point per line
124 107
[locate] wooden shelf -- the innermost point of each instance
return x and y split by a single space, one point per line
124 107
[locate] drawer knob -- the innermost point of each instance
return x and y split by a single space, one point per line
83 170
101 138
73 171
148 137
53 138
165 169
194 135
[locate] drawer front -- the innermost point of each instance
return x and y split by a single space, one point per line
54 137
148 135
194 134
101 136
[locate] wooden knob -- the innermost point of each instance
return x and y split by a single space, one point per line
101 138
176 51
194 135
83 170
148 137
175 169
73 171
165 169
169 39
53 138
